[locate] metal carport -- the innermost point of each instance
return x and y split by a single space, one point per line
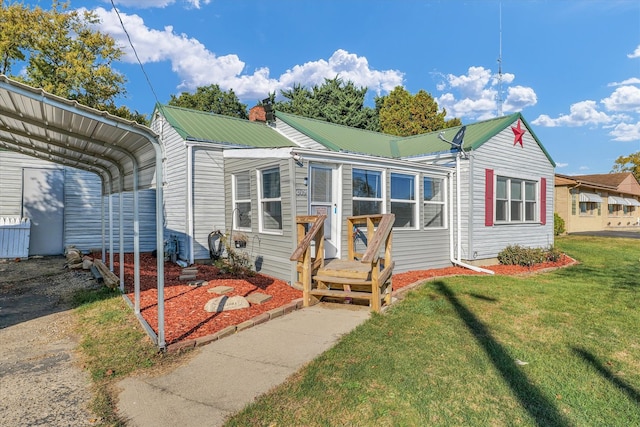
125 155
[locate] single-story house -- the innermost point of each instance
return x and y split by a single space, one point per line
453 204
598 202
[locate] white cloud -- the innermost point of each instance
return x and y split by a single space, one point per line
474 95
631 81
626 132
624 98
519 97
584 168
197 66
562 165
620 118
146 4
581 114
635 54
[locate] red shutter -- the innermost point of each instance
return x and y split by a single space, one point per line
488 197
543 201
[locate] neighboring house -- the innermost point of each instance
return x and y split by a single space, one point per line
252 179
598 202
64 205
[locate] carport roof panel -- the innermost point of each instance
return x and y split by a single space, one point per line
49 127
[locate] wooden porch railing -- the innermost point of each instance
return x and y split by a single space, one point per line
306 266
363 275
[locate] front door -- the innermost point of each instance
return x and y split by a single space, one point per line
323 200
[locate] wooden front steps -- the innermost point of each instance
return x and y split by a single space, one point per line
363 275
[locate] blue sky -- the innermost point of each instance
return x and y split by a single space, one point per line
572 67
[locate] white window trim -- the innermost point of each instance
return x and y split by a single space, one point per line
261 200
383 190
522 201
416 220
445 209
235 201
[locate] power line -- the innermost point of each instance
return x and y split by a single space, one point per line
146 76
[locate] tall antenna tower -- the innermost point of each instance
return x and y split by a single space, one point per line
499 100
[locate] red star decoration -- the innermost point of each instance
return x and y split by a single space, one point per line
517 134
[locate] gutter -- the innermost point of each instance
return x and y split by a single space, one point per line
456 259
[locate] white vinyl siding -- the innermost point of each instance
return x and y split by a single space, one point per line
527 163
208 198
269 252
175 187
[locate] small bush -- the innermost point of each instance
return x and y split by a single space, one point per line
237 263
554 254
527 257
558 224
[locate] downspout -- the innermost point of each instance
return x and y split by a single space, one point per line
294 234
190 225
456 260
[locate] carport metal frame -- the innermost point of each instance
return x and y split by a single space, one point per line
121 152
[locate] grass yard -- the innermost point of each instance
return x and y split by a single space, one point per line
554 349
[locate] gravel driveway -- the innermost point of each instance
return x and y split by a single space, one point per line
41 382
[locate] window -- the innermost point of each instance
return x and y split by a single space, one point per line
403 200
516 200
242 201
270 201
434 202
367 192
588 208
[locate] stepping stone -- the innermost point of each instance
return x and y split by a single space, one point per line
225 303
258 298
220 290
196 283
190 270
187 277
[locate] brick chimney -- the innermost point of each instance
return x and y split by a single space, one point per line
257 114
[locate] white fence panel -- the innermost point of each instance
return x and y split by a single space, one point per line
14 237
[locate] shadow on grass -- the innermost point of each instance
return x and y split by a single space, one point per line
607 374
530 397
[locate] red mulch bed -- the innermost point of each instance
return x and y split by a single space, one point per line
186 319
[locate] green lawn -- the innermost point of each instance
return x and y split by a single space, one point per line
446 355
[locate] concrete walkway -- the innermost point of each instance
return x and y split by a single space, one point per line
230 373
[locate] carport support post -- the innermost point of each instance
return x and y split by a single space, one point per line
102 226
121 225
136 240
160 243
110 231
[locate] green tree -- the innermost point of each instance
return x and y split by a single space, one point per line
59 51
334 101
213 100
630 163
404 114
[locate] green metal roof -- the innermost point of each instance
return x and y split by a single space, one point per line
342 138
215 128
475 135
